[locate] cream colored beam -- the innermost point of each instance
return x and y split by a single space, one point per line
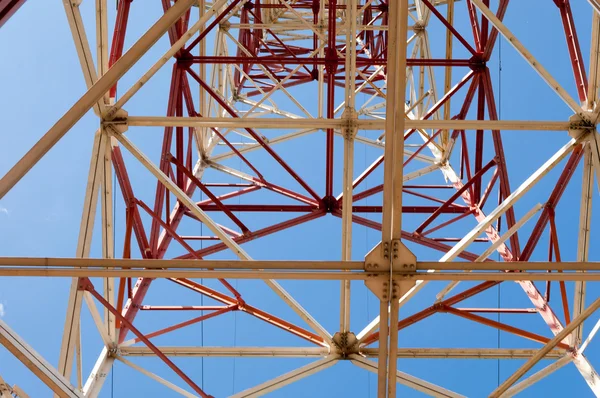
590 337
97 318
178 192
595 4
348 171
270 276
35 363
212 11
71 333
583 238
534 378
154 377
393 170
347 225
595 151
287 378
406 379
547 348
5 390
19 392
272 141
93 95
562 93
102 41
83 47
217 230
48 262
510 200
465 353
99 374
79 358
594 75
445 137
317 352
493 247
382 356
259 352
108 250
51 263
322 123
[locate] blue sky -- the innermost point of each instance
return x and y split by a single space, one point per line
40 79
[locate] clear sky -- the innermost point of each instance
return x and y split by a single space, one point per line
40 79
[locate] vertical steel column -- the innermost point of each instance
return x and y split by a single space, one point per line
392 185
349 133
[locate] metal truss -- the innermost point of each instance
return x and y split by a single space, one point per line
250 79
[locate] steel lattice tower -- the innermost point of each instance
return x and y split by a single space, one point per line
272 106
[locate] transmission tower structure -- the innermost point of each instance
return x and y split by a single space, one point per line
247 198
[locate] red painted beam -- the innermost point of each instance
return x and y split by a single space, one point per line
8 8
270 60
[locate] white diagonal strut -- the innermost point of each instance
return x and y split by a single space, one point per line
535 64
217 230
407 380
287 378
546 349
34 362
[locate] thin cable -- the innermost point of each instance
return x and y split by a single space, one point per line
112 380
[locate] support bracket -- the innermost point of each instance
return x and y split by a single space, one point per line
393 257
579 126
350 118
118 121
346 344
